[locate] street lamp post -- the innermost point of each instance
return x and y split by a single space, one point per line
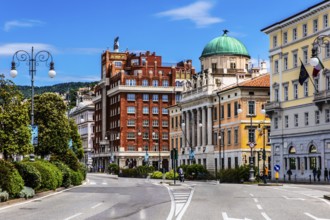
251 145
220 136
33 61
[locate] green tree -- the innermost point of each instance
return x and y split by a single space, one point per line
77 147
53 125
15 133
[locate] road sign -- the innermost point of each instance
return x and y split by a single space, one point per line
252 144
277 167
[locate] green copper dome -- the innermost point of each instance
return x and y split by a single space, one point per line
225 45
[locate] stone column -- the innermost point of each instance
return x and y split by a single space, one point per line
209 125
193 129
187 130
199 143
183 131
203 127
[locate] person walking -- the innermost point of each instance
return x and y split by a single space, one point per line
314 173
289 172
319 174
181 174
326 173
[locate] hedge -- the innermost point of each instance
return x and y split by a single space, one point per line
66 173
30 174
10 180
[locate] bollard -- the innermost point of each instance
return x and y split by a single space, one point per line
284 177
310 179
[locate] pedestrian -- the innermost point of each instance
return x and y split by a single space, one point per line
326 173
289 172
181 174
318 174
314 173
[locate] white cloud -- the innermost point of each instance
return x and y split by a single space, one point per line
21 23
10 49
197 12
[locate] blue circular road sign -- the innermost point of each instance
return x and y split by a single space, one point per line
277 167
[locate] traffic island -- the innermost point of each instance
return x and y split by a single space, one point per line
326 197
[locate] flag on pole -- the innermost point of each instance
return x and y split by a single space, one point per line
303 74
317 68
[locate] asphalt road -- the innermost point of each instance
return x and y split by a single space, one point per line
124 198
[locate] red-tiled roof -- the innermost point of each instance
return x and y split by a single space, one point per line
260 81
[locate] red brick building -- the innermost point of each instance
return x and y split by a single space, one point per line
131 108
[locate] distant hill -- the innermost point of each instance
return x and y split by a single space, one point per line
61 88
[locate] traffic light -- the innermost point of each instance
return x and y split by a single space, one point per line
259 156
264 154
174 154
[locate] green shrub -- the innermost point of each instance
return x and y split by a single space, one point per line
236 175
4 196
10 180
30 175
27 192
76 178
82 170
65 170
113 168
51 176
157 175
69 158
170 175
196 172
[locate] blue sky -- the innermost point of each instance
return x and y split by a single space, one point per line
77 32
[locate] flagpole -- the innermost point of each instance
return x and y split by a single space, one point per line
310 78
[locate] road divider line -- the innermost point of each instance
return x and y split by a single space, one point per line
251 195
186 205
255 200
259 207
265 216
170 215
97 205
73 216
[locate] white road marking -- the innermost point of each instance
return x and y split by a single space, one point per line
251 195
104 183
255 200
259 207
73 216
313 217
293 198
186 205
225 217
170 215
265 216
92 183
98 204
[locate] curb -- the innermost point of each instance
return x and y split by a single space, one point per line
326 197
270 184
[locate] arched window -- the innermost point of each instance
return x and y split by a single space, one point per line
292 150
312 149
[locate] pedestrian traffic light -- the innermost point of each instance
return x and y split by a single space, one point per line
174 154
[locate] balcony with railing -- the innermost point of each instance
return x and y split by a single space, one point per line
272 107
321 97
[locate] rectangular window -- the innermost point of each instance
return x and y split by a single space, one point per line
145 110
130 97
155 83
165 136
286 92
214 67
327 83
164 111
295 60
145 82
306 89
130 135
251 135
317 117
315 26
145 123
130 110
327 115
285 65
164 123
229 110
276 95
145 97
305 56
222 112
130 148
155 110
296 120
165 148
304 28
236 136
131 123
276 66
286 121
325 21
285 37
295 91
155 98
327 50
274 41
155 123
118 64
165 98
316 83
130 82
165 83
251 109
235 108
155 136
229 137
306 118
294 34
276 123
